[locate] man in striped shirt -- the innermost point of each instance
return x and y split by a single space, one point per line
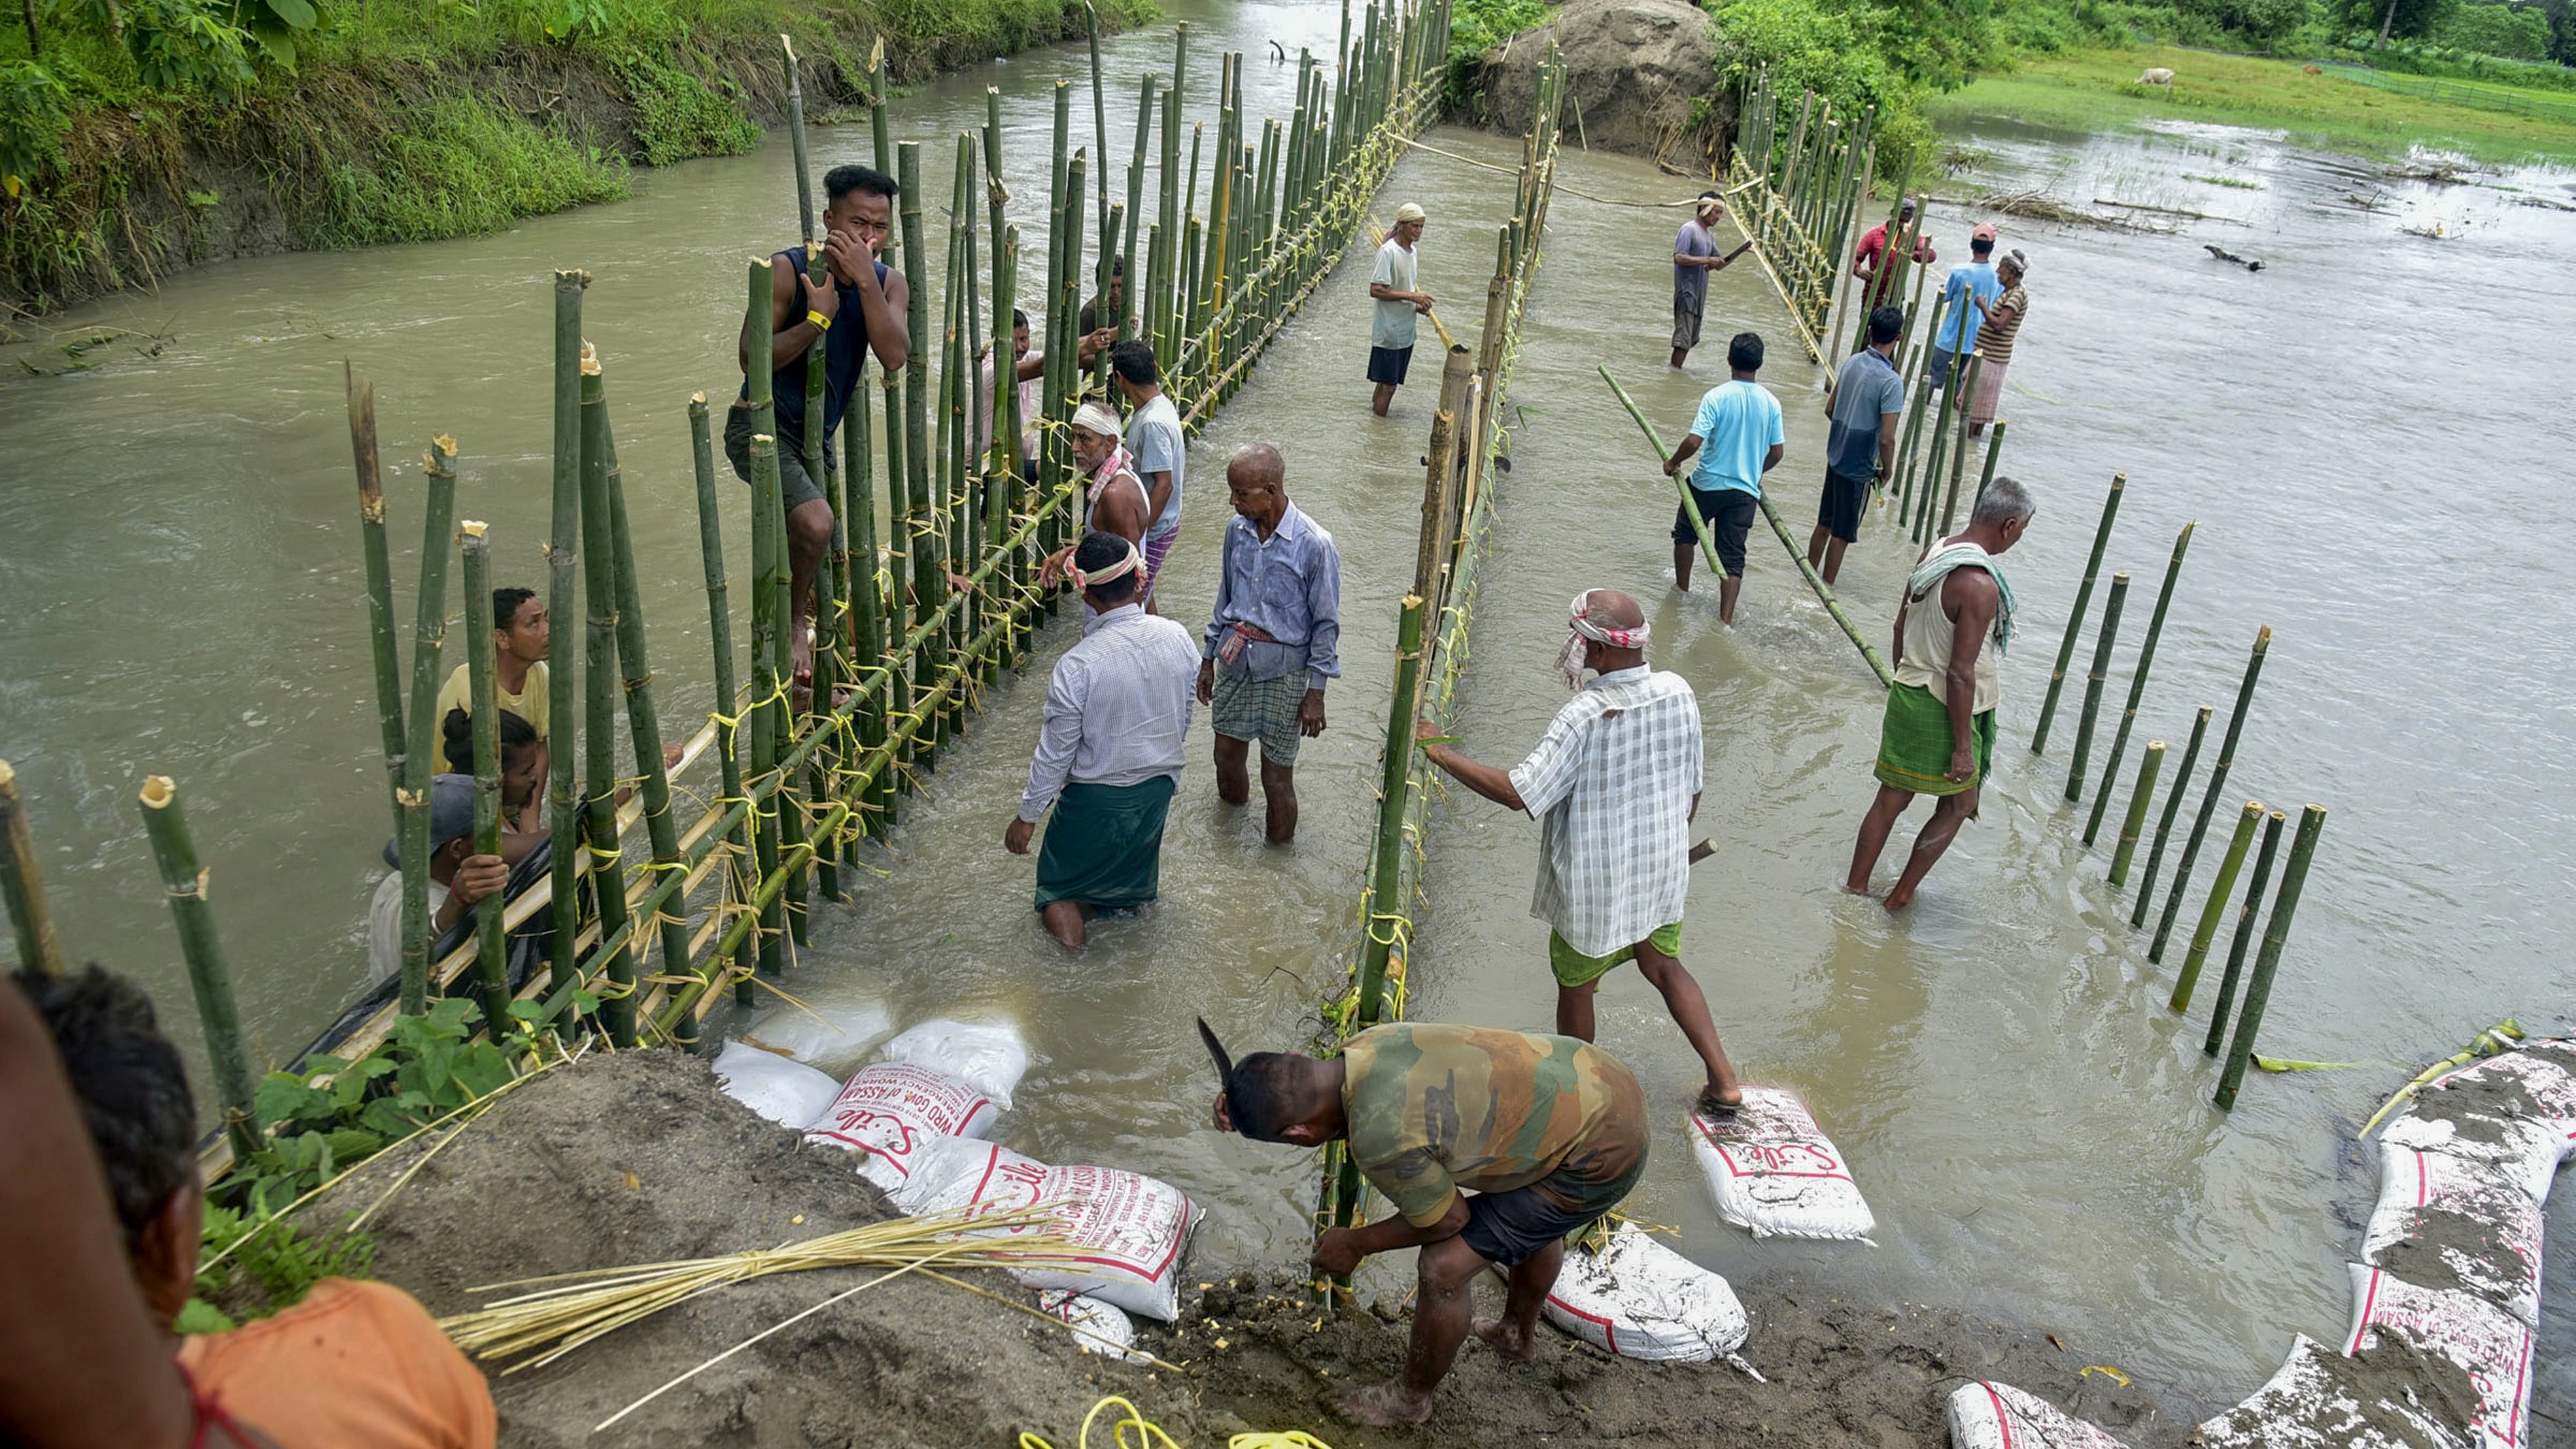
1995 336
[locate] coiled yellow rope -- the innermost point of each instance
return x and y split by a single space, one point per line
1150 1435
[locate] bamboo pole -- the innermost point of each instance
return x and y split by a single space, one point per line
187 884
599 721
2276 936
382 631
929 580
1440 478
1100 148
1985 479
2228 866
1825 595
1383 914
2209 801
2165 822
1690 505
2246 912
720 640
2075 616
429 629
900 520
2093 685
769 684
2138 680
483 698
22 887
563 544
1959 459
2139 797
1928 482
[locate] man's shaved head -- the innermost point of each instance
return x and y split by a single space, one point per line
1258 463
1612 609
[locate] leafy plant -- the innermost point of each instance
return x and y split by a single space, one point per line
677 116
34 114
257 1265
278 25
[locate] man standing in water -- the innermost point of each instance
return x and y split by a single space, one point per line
1739 422
1154 440
1109 750
1938 737
1614 784
2000 324
1867 399
1695 255
861 312
1869 259
1392 287
1548 1133
1961 291
521 635
1273 638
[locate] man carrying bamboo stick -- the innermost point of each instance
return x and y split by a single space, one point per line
1273 638
1740 425
350 1363
1938 736
1392 285
1109 750
1492 1146
1614 784
861 312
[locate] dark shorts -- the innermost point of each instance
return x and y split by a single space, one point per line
798 488
1686 315
1387 364
1511 1227
1939 364
1729 512
1839 511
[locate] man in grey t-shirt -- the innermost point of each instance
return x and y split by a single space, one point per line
1392 287
1695 255
1161 451
1867 400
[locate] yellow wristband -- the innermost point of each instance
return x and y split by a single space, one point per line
821 322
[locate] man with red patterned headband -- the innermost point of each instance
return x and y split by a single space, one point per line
1614 785
1110 749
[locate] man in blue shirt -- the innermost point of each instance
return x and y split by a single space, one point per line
1958 336
1867 399
1273 638
1737 437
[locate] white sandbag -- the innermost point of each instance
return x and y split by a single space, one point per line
1129 1228
2312 1404
790 1094
887 1110
833 1037
1639 1299
2522 1152
1776 1173
1101 1328
2526 1083
2448 1222
991 1058
1987 1415
2488 1343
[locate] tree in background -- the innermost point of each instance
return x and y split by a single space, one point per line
2513 32
2396 19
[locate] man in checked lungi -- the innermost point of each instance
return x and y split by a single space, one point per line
1938 736
1109 750
1273 638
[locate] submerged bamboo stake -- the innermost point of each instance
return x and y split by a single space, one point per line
2075 616
483 700
21 887
2093 684
2245 914
1690 505
1959 458
2138 680
599 721
2228 866
2165 823
1994 451
429 628
1387 919
770 683
2209 801
186 882
563 540
2276 935
381 628
720 638
2140 795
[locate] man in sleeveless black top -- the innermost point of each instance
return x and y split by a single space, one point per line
862 312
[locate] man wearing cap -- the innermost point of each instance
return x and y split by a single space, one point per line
1109 749
1868 258
1967 287
1614 784
1695 255
1273 638
1392 287
457 876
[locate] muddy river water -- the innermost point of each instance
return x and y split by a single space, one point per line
2370 431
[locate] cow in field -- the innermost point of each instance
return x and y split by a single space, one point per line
2158 76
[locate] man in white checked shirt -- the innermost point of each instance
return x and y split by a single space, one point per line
1614 783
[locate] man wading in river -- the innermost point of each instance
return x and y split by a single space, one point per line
1548 1133
1695 255
1614 783
1273 638
1938 737
861 312
1737 438
1399 302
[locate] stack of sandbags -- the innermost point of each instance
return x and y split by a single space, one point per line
939 1079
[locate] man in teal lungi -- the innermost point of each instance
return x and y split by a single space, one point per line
1942 744
1110 749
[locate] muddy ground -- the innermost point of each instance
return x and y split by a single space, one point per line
637 1158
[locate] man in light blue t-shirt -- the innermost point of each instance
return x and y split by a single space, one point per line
1958 336
1737 437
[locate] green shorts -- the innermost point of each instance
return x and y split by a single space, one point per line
1573 968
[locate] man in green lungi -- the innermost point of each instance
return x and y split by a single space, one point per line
1942 744
1109 750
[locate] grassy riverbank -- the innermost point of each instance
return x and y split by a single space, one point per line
2363 111
411 120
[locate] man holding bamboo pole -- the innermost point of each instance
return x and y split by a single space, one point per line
1870 258
1695 255
1737 438
457 876
1614 784
1867 401
1160 449
1393 287
1958 332
862 312
1942 743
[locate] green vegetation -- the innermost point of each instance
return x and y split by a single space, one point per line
347 122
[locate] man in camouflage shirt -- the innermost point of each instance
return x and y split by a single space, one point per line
1548 1133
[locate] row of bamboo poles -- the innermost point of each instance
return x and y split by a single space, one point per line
899 654
1798 198
1431 633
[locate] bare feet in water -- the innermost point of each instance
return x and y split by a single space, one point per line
1383 1405
1898 899
1501 1335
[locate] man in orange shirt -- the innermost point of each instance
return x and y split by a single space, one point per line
352 1364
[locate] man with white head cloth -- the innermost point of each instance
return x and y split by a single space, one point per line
1113 496
1614 784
